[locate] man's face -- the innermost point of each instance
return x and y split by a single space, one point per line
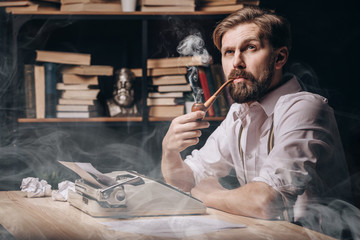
249 60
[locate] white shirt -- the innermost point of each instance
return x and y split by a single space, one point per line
306 162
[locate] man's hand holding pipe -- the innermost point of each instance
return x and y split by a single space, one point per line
184 131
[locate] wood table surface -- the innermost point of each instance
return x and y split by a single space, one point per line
44 218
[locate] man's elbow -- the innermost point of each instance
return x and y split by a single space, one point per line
268 212
267 204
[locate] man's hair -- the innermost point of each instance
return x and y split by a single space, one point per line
274 28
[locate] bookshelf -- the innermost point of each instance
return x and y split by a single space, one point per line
143 21
110 143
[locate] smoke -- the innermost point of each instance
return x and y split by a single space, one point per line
337 218
194 45
35 152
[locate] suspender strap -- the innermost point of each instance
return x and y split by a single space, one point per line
270 145
271 138
242 152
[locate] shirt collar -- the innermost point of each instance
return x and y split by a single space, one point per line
269 101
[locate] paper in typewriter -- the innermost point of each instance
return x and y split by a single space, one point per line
89 174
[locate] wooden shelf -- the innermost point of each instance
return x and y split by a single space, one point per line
136 13
104 119
97 119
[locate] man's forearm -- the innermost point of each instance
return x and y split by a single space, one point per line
256 199
176 172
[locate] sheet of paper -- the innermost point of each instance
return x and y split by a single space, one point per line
176 227
90 174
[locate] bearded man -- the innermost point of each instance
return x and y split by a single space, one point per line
282 142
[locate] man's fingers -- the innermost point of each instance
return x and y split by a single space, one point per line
190 134
190 126
191 117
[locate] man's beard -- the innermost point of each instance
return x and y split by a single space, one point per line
251 89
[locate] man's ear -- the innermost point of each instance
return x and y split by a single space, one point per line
281 57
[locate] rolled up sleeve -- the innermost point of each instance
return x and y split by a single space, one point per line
303 139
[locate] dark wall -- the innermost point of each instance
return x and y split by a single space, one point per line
326 36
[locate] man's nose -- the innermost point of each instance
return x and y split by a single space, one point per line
238 61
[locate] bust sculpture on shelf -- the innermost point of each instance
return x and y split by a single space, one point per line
122 103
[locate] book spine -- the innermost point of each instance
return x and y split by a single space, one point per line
50 90
205 88
29 79
217 75
212 90
39 74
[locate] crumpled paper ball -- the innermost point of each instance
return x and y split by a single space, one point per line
35 188
63 192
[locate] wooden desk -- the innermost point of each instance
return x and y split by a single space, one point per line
43 218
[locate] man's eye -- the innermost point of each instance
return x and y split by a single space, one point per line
227 52
251 47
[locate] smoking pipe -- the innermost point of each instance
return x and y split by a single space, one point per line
205 106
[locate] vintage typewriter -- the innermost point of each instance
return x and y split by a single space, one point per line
124 194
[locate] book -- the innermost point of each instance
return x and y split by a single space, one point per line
220 8
227 2
50 90
88 114
180 8
63 57
91 70
166 94
212 90
79 79
206 91
160 71
92 7
216 2
65 101
250 2
169 80
164 101
38 7
229 99
168 3
174 88
75 108
39 76
166 111
80 94
175 62
63 2
29 86
62 86
217 75
14 3
28 8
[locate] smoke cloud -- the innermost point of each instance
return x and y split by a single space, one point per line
194 45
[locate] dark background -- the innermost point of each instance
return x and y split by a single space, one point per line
326 38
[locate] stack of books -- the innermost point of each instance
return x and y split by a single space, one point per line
91 6
168 85
17 6
66 85
168 5
223 5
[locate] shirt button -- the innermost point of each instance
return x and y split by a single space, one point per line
249 156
